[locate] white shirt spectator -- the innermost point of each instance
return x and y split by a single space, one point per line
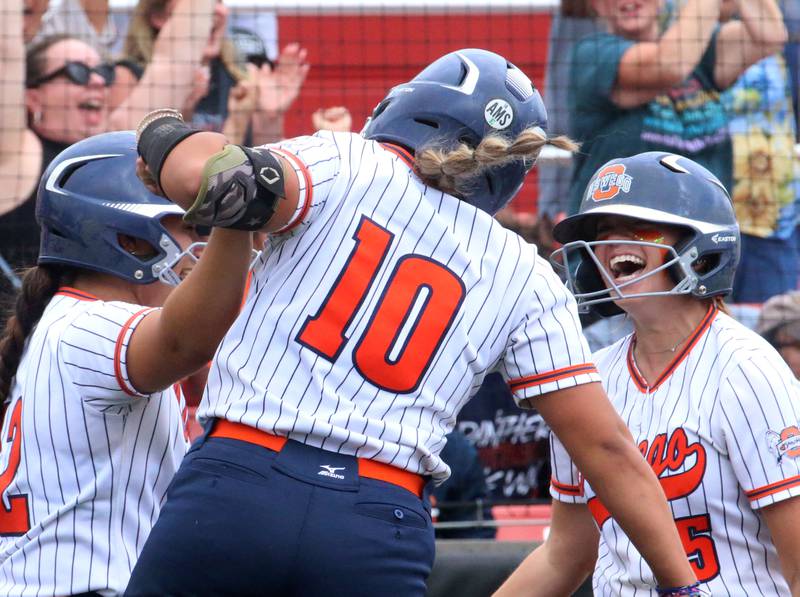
68 17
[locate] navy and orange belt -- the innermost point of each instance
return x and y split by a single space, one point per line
366 468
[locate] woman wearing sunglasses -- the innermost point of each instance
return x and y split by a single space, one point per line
64 100
711 406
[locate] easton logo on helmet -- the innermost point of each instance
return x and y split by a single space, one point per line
723 238
609 182
498 114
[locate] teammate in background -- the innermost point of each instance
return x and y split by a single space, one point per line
94 428
387 294
710 404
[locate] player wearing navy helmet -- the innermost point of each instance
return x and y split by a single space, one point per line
712 407
387 294
702 263
459 99
90 202
94 424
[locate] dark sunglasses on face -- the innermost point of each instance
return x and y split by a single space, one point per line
79 73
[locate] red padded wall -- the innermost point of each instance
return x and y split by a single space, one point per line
356 58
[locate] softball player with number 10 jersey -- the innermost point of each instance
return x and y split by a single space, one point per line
386 295
712 407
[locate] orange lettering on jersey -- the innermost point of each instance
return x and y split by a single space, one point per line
14 519
666 455
608 183
674 455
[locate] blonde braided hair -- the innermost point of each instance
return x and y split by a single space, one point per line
453 171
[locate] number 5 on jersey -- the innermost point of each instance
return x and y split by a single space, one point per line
416 309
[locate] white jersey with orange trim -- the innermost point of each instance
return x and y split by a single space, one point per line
85 459
720 427
379 310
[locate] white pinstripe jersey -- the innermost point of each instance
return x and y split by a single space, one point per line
720 429
377 314
85 461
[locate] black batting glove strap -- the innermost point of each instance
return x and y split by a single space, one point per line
240 189
158 134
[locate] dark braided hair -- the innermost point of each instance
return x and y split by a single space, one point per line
39 284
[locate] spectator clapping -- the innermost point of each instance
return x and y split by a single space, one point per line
635 90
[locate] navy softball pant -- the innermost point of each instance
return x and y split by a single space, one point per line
241 519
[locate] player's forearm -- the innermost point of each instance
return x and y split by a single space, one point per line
563 561
544 574
791 572
764 23
632 494
217 183
182 173
168 78
603 450
200 310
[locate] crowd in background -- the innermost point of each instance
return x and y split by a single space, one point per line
76 68
743 128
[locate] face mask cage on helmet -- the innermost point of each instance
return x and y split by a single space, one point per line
165 270
573 258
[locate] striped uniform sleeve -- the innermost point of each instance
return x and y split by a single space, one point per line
566 483
759 406
94 349
316 161
547 350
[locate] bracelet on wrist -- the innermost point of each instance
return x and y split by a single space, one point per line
157 135
693 589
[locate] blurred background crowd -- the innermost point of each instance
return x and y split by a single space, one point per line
259 71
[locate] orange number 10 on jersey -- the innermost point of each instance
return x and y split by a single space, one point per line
418 305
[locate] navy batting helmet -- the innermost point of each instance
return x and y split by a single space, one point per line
661 188
89 196
462 97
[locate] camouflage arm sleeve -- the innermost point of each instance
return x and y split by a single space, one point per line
240 188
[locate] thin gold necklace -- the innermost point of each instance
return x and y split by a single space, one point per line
672 349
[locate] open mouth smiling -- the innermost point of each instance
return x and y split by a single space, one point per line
93 105
626 267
